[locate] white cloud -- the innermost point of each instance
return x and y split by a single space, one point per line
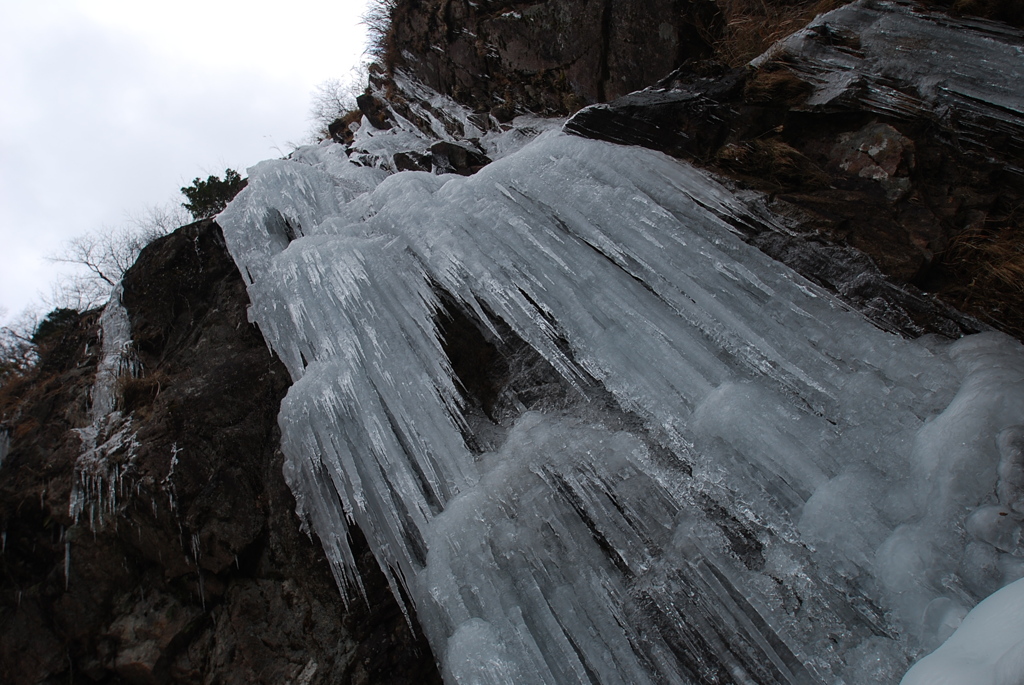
108 106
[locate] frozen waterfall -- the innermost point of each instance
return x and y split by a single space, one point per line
744 481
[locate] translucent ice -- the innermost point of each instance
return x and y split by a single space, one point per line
753 484
98 480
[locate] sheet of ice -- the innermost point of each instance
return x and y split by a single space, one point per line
116 358
777 493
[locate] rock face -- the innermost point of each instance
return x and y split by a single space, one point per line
546 57
197 571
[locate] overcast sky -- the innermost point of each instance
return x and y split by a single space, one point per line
108 107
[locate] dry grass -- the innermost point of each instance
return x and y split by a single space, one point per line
994 260
985 268
771 161
749 27
778 87
378 20
136 394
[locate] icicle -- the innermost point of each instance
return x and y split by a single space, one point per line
202 591
195 547
98 485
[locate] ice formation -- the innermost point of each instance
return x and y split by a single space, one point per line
108 442
749 483
896 58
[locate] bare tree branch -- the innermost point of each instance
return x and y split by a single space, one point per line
102 256
17 352
333 99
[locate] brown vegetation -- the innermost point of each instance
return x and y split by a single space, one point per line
749 27
988 268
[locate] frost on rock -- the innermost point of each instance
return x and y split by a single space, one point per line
754 484
108 442
895 58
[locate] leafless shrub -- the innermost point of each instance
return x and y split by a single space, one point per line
749 27
378 27
334 99
158 220
17 352
101 257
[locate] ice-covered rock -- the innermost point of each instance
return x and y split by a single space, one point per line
741 480
108 443
771 492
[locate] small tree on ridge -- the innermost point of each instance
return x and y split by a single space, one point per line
209 197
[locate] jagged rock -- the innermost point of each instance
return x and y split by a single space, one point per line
458 159
144 632
412 161
443 157
374 111
546 56
879 153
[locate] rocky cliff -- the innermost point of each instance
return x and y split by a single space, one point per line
181 559
548 57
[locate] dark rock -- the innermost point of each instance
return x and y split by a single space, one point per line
549 57
340 132
198 570
457 159
412 161
443 157
691 118
374 111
